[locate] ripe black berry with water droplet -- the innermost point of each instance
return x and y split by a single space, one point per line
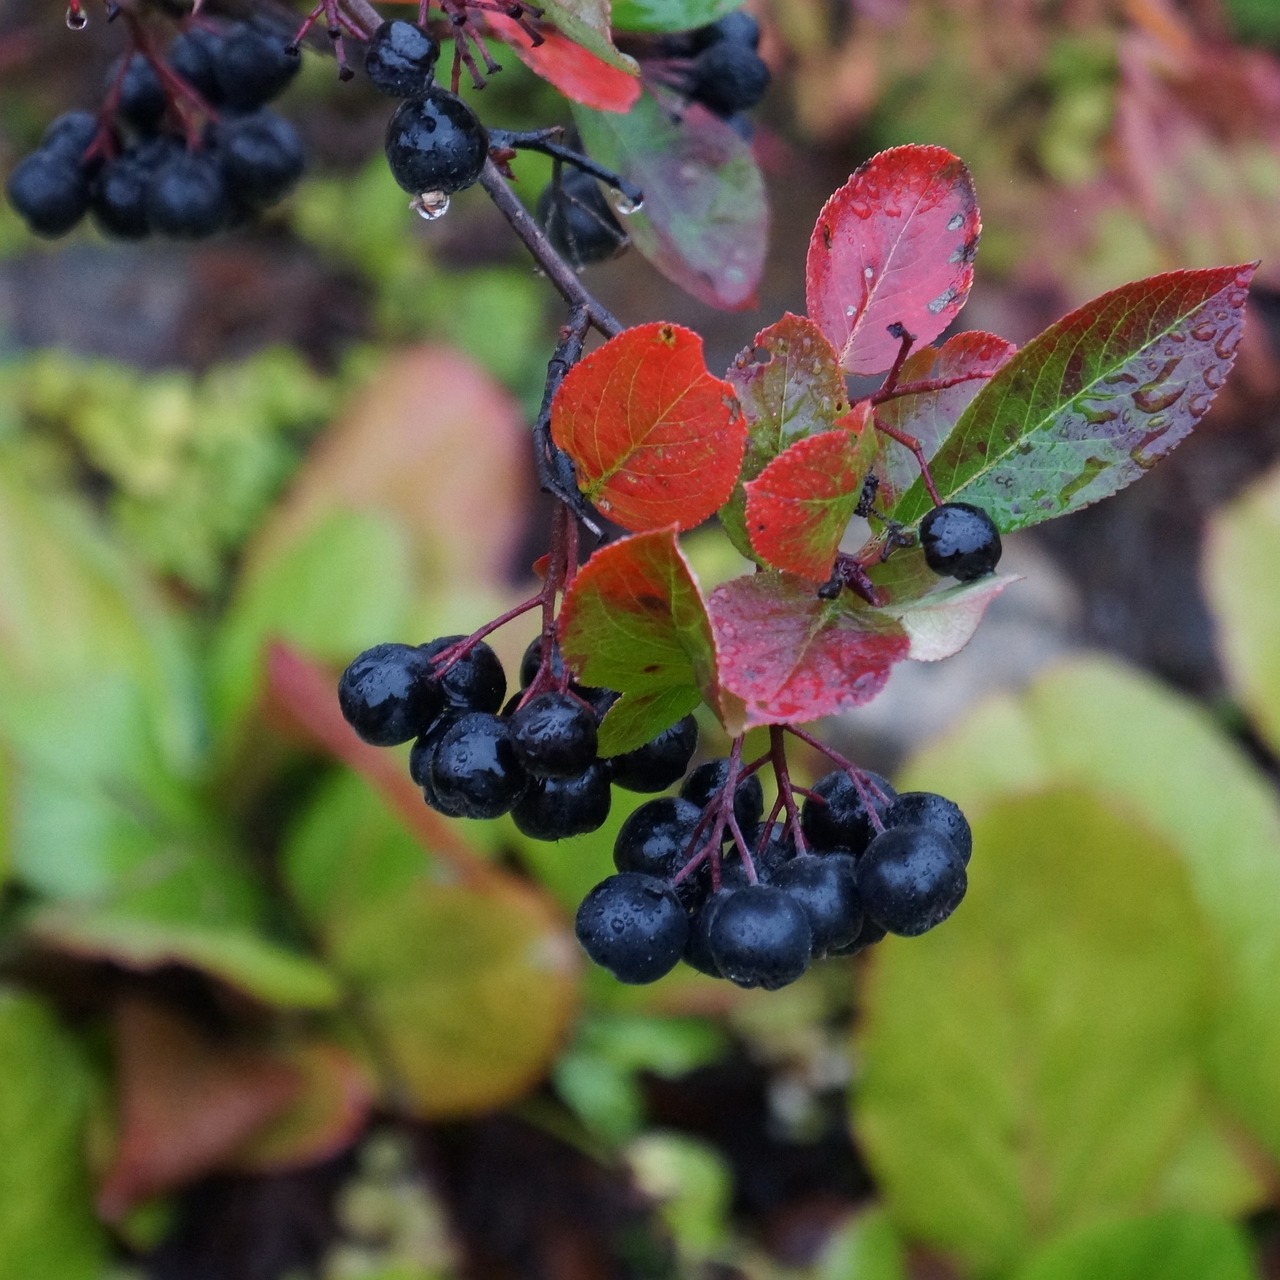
554 735
928 809
911 879
654 839
578 220
760 937
728 77
476 681
661 761
826 886
475 767
557 808
634 926
436 143
960 541
838 818
708 780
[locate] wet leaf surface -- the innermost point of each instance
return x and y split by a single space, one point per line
704 223
1094 402
586 22
656 439
790 656
894 246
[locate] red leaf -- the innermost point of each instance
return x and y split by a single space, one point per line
801 503
185 1104
656 439
894 245
577 73
929 415
790 386
790 656
634 620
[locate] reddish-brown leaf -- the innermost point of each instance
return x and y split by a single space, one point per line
579 74
801 503
967 361
185 1104
789 656
895 245
655 438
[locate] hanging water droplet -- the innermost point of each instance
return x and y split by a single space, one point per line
850 312
77 19
625 205
430 205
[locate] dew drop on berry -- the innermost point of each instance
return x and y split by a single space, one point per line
77 19
430 205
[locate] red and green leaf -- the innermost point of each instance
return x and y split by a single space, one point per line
789 384
1093 402
801 503
967 361
789 656
586 23
705 222
634 620
941 622
895 245
582 76
656 439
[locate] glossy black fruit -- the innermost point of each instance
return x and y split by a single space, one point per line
401 60
708 780
911 879
554 735
960 541
928 809
50 191
142 99
655 839
760 937
634 926
389 694
826 886
474 767
872 931
661 761
187 196
557 808
727 77
261 156
578 220
436 143
532 660
838 819
194 56
476 682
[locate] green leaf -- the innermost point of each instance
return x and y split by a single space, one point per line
634 620
586 22
1240 559
1093 402
669 15
47 1227
705 221
1027 1066
344 585
866 1248
1101 726
1173 1246
466 988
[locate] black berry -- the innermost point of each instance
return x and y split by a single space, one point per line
251 67
474 767
727 77
187 196
436 143
194 56
910 879
578 220
826 886
655 838
50 191
554 735
960 541
838 818
476 681
388 694
738 27
119 198
634 926
401 60
760 937
70 134
261 156
556 808
927 809
708 780
661 761
142 99
531 661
